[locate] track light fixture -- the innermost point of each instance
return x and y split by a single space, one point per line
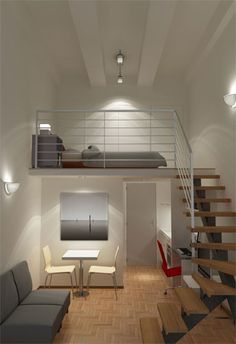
120 58
120 61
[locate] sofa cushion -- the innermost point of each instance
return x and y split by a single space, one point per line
32 324
9 296
48 297
22 279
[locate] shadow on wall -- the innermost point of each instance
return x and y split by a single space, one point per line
27 235
211 144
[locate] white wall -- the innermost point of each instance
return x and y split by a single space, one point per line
25 85
212 127
163 190
75 93
50 234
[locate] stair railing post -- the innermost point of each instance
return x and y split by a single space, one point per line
175 137
36 141
192 201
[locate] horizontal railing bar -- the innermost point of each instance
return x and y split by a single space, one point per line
121 127
109 119
75 153
105 160
117 135
102 143
127 128
103 110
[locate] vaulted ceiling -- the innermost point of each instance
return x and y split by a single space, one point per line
160 38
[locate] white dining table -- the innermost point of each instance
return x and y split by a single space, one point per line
81 255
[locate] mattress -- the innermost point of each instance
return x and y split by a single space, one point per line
123 159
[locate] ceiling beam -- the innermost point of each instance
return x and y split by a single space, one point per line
84 15
159 19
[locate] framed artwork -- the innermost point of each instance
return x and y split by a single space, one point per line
84 216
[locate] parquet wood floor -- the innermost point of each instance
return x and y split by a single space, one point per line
100 319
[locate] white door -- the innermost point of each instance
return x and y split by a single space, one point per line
141 219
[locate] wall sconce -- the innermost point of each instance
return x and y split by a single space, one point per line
11 187
230 100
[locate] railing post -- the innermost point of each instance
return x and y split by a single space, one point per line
150 131
192 202
36 142
175 134
104 140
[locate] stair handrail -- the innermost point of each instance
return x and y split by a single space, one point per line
184 165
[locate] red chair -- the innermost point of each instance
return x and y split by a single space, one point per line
169 271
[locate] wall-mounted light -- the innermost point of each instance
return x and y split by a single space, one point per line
230 99
120 60
11 187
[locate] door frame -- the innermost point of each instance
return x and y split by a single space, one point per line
125 210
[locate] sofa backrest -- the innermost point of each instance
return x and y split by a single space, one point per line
9 296
22 279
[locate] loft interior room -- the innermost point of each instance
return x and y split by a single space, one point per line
118 171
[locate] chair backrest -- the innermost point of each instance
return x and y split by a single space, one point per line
47 256
164 262
116 254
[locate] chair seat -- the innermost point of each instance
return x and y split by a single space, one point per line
60 269
102 269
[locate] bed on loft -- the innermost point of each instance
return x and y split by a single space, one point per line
104 139
92 157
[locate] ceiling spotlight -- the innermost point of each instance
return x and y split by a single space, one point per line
120 58
120 79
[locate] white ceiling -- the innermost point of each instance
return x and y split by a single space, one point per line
160 38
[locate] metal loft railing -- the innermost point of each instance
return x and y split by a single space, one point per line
184 164
145 130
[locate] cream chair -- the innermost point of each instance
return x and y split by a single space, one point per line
54 270
106 270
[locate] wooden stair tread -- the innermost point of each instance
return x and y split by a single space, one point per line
171 318
212 187
150 330
210 200
203 176
211 288
213 229
190 302
211 213
215 245
223 266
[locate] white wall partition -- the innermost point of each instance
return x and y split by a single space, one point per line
26 83
212 122
50 232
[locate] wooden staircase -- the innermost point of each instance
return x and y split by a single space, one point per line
176 321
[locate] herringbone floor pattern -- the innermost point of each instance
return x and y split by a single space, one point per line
100 319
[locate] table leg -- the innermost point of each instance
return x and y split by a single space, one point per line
81 292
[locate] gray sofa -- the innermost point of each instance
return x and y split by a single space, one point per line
29 316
